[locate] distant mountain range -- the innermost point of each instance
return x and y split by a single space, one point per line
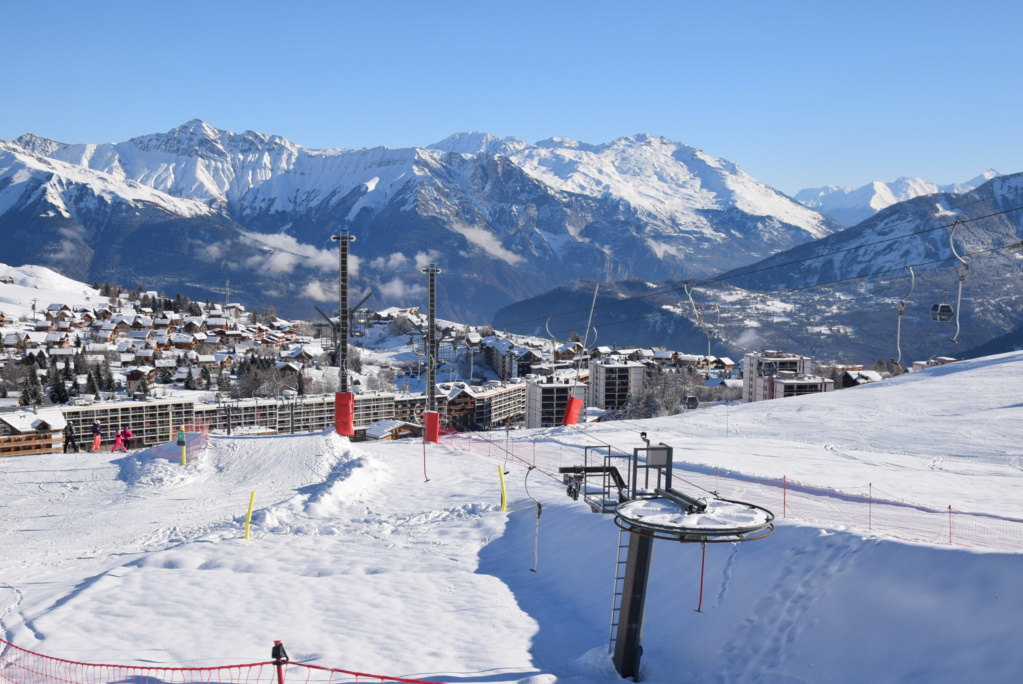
833 298
850 206
196 207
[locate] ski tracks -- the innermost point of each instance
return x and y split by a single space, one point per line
783 612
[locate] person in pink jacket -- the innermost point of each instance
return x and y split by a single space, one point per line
119 443
128 437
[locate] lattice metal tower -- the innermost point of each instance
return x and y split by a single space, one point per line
432 343
343 316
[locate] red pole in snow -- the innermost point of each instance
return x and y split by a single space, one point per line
280 657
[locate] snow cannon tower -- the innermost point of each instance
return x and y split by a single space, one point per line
647 511
431 419
344 400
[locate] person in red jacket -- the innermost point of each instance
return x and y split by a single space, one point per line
119 443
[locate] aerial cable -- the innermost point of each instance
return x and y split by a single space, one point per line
723 280
964 271
1013 246
902 310
536 534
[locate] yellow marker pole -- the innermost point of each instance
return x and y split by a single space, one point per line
504 492
248 516
181 441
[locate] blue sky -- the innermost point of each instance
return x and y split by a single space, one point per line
798 94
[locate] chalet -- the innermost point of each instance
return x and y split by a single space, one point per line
145 356
568 351
58 339
43 325
31 432
665 358
55 311
183 341
298 355
133 377
105 332
392 429
193 325
142 322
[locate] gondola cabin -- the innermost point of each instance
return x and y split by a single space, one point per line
941 313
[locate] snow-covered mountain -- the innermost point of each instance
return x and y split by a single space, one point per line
834 298
503 219
849 206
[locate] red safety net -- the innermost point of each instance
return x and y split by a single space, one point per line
19 666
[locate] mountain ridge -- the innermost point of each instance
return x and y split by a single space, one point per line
504 219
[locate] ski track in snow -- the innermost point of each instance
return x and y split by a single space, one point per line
782 615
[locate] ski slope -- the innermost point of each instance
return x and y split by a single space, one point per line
396 559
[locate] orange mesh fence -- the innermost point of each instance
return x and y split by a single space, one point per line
862 508
19 666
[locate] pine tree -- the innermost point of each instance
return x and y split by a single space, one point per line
108 378
143 387
31 392
91 384
205 379
58 391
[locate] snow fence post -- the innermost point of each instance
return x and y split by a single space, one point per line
950 525
280 658
784 496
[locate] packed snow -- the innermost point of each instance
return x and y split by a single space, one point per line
395 558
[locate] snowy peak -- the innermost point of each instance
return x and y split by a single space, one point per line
25 177
662 178
853 205
473 143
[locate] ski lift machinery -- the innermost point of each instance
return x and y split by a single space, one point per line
646 511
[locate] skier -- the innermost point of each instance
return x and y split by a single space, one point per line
128 437
97 435
70 439
119 443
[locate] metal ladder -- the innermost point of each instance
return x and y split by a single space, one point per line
621 562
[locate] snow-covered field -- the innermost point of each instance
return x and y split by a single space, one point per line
358 561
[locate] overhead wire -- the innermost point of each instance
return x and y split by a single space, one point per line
751 294
722 279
